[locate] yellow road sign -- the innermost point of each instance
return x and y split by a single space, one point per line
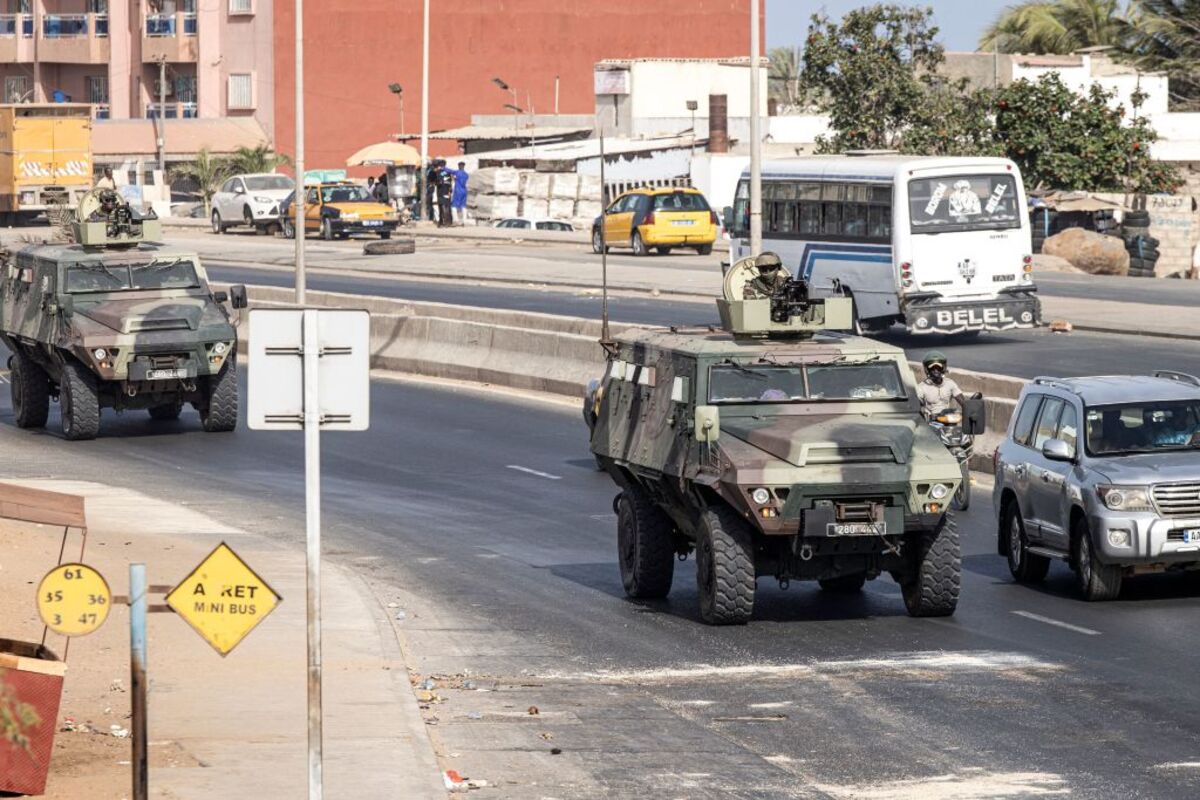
73 599
223 599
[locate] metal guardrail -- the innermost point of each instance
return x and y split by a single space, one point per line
188 110
160 24
67 26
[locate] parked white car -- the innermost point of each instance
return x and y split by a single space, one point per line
535 223
251 200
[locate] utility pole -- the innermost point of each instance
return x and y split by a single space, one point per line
301 289
755 137
162 116
421 189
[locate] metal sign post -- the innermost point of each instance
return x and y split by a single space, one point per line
310 369
137 680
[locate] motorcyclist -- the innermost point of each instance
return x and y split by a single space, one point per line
937 391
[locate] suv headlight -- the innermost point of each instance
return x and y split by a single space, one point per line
263 200
1126 498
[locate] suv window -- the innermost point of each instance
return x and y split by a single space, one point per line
228 186
1068 427
1025 418
1047 422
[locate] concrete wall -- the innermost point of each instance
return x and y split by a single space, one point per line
1081 78
798 128
354 50
717 176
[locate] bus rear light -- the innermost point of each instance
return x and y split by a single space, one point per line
1027 264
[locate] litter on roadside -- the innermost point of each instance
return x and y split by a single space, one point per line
1061 326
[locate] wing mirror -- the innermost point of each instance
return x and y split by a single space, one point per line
1057 450
974 416
239 190
708 424
237 296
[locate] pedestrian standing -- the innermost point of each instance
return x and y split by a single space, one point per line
381 190
445 192
431 173
371 185
458 200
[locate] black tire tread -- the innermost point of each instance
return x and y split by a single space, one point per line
220 414
1106 578
933 587
80 386
1032 568
654 548
33 384
732 544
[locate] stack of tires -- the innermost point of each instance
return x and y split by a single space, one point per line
1106 223
1043 224
1142 247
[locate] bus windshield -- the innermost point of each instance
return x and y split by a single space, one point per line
963 203
772 383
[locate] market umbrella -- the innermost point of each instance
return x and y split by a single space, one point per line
386 154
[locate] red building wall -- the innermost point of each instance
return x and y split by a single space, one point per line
352 51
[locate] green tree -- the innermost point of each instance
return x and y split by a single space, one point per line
1167 39
1065 141
261 158
783 77
1058 26
207 172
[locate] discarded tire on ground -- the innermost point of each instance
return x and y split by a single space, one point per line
390 247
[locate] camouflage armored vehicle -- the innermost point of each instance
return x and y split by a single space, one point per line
114 320
774 447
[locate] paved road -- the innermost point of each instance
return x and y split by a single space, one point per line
484 516
1023 354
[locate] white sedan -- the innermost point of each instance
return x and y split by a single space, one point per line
251 200
530 223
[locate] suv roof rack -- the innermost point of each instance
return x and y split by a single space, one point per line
1057 383
1181 377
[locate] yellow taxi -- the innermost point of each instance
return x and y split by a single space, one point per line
336 210
658 219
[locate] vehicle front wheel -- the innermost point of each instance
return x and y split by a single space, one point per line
725 568
1096 580
220 413
931 587
1026 567
30 392
844 584
79 402
639 246
644 545
217 225
288 229
166 411
598 242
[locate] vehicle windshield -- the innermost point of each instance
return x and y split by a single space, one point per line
963 203
770 383
345 194
98 276
680 201
1143 427
260 183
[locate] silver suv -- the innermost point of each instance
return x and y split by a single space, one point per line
1103 473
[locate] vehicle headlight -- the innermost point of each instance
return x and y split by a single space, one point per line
263 200
219 348
1126 498
760 496
1118 538
100 353
952 418
350 215
938 491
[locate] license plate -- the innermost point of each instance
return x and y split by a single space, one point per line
1191 535
856 529
165 374
372 222
681 222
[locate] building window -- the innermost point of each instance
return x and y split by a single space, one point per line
241 6
16 89
241 91
185 88
97 88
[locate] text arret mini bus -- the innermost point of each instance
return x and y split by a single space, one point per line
941 245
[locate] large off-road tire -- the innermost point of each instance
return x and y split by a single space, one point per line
1026 567
638 245
1096 581
725 567
962 495
931 587
79 402
220 413
30 392
645 547
167 411
844 584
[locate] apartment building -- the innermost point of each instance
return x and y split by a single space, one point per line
214 57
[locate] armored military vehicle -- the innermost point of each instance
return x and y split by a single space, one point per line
115 320
775 446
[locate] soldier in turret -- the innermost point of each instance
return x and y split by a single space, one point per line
771 278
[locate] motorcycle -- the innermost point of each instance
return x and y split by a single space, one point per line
948 422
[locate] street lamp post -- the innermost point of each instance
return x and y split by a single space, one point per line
516 111
755 136
424 109
398 90
692 105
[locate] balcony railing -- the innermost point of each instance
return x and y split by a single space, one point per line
173 111
67 26
165 25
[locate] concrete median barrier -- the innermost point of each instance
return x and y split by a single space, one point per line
540 352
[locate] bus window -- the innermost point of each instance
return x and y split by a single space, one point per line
831 219
854 220
741 209
810 217
879 222
963 203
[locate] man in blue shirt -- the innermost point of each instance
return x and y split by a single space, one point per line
458 201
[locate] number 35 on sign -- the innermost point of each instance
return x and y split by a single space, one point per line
73 599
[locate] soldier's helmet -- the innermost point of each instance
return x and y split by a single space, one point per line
934 358
768 261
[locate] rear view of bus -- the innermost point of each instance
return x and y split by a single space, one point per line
963 247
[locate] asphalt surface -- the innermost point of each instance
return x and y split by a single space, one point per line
485 514
1023 354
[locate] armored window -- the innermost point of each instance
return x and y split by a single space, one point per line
1047 422
1025 417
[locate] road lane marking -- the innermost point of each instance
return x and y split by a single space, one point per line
1056 623
1179 765
540 474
